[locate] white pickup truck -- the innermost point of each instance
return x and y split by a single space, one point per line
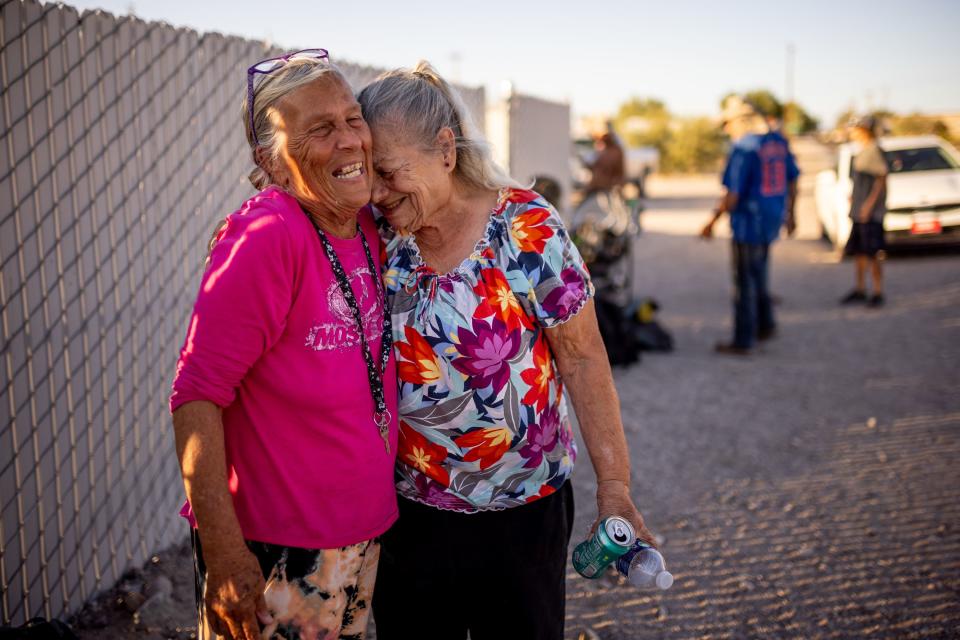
923 192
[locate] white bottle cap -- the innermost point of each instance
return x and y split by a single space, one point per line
664 580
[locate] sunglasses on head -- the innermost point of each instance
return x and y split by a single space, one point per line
270 65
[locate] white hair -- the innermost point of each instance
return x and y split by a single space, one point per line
418 103
268 90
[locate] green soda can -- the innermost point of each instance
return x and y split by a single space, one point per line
613 538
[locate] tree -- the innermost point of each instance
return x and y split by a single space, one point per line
795 118
913 124
845 117
797 121
916 124
765 101
644 122
697 145
643 107
762 99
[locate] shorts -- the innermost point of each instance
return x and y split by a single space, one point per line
866 239
310 592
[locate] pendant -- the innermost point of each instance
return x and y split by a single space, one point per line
382 420
385 434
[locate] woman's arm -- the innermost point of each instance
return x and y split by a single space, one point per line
582 362
235 584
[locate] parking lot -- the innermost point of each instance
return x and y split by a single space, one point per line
812 489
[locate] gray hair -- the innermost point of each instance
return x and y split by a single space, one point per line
268 90
419 104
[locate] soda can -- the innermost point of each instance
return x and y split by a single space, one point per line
613 538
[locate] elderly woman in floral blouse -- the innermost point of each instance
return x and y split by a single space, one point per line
493 321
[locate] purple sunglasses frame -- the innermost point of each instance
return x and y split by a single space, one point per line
318 54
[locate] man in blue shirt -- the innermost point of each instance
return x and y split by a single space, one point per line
760 181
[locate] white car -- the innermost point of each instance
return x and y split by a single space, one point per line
923 192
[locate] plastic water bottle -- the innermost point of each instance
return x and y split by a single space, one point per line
643 567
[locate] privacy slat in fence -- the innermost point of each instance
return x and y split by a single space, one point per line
121 147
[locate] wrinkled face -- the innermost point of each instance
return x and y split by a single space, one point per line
325 146
411 183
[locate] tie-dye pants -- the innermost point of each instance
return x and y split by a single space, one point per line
313 594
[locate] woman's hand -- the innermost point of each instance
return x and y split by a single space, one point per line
234 595
235 585
582 362
613 499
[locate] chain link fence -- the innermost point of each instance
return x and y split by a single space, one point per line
121 148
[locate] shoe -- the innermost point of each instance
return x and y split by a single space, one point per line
854 296
767 334
730 349
876 300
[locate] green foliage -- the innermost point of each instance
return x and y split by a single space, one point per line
765 101
643 107
797 121
844 118
688 145
762 99
644 122
912 124
916 124
697 145
795 118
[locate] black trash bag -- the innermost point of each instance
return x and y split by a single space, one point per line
650 336
38 629
647 332
617 332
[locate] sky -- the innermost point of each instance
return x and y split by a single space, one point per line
596 54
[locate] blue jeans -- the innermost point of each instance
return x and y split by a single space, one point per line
752 309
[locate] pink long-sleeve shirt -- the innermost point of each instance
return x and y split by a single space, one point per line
272 341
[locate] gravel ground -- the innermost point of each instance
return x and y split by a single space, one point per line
809 490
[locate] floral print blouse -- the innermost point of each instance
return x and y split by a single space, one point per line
483 421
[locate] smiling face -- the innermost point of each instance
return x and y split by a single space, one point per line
325 147
411 183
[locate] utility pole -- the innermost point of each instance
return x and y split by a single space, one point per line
791 50
788 90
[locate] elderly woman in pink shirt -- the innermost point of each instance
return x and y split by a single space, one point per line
284 402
